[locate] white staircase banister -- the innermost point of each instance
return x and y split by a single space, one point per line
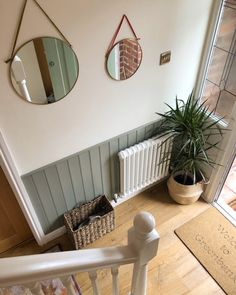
144 239
24 269
142 247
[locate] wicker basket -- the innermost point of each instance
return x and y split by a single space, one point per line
93 230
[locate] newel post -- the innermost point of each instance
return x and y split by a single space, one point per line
143 238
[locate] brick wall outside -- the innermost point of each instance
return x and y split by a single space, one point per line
130 58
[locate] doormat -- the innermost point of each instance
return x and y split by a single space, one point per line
212 240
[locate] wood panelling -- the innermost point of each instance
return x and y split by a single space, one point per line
58 187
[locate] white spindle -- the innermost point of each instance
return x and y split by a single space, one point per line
115 280
144 239
68 283
18 72
142 247
94 282
24 90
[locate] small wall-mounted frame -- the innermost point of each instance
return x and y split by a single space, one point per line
165 57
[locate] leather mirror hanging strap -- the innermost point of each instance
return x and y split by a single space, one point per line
117 31
19 26
17 32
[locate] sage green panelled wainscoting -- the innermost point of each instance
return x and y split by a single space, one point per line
60 186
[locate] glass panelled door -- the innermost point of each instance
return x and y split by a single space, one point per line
219 91
220 84
226 196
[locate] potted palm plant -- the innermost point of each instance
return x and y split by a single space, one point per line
194 134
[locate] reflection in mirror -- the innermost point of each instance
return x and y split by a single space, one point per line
44 70
124 59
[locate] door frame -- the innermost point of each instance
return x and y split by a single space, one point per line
10 170
214 22
218 179
227 153
213 189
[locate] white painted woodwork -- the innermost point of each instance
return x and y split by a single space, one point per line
67 282
23 269
24 90
93 277
115 280
18 73
144 239
225 158
142 247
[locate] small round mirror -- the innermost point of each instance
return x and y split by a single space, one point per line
124 59
44 70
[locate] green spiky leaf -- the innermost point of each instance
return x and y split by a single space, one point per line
194 130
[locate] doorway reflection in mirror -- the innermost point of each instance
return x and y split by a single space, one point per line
44 70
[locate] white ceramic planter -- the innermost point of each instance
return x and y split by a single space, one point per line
184 194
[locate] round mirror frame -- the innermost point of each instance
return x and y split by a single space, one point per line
109 52
11 75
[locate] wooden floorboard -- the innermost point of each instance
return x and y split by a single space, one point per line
174 271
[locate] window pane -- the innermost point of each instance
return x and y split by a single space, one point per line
211 94
231 80
216 68
220 83
225 104
227 26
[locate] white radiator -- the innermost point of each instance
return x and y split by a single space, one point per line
141 165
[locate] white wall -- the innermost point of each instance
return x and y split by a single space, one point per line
98 107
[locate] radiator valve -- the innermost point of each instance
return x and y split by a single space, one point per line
116 197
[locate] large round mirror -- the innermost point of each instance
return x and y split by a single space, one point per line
124 59
44 70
